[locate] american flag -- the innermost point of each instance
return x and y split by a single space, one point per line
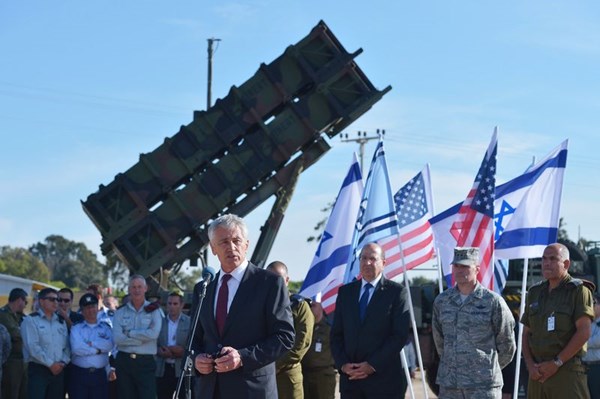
474 224
414 209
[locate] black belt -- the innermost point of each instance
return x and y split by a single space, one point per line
136 355
90 369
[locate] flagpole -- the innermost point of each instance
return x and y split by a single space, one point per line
437 249
413 320
439 269
407 373
520 336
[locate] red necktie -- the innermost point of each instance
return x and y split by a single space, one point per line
222 303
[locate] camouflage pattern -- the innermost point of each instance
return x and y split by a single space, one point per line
474 339
289 370
318 367
567 302
147 213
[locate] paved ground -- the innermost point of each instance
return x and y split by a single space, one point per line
417 389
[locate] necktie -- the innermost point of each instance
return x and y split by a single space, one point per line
364 301
222 299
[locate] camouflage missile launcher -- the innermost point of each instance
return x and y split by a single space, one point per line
233 156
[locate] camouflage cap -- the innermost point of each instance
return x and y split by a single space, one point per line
88 299
467 256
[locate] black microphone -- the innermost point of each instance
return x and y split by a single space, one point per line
208 274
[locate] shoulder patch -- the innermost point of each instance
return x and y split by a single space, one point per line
575 282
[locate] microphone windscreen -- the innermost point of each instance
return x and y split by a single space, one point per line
208 273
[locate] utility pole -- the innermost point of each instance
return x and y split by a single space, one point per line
362 139
209 86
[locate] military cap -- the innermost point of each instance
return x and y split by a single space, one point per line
88 299
466 256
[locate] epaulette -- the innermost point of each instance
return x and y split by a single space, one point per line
105 323
296 300
151 307
110 313
574 283
34 314
61 319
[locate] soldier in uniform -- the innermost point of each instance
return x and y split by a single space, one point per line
318 367
289 370
46 348
557 322
91 343
473 330
14 382
135 331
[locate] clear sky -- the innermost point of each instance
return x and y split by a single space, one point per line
86 86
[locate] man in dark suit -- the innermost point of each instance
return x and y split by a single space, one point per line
370 327
245 321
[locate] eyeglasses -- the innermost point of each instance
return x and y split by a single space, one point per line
50 298
64 300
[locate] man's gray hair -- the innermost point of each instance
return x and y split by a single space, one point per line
137 277
229 222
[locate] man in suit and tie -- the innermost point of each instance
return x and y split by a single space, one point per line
245 321
171 347
370 327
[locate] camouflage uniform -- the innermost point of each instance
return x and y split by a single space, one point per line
14 383
475 340
289 371
568 302
318 367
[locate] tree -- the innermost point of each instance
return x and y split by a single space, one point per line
562 231
421 280
320 226
20 263
69 261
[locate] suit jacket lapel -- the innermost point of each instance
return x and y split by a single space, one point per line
377 297
243 296
209 302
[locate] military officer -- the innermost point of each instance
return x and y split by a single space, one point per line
289 370
318 367
46 348
135 330
557 320
473 330
14 382
91 342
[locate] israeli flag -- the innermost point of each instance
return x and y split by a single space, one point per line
326 273
526 213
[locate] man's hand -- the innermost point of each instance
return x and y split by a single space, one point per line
204 363
177 351
534 371
229 360
56 368
357 371
547 370
163 351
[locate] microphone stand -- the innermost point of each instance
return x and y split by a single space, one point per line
188 365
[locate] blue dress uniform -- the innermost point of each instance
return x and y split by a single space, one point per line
90 346
45 342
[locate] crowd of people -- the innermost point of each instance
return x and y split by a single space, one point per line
252 339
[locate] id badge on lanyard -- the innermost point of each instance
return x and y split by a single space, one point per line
551 322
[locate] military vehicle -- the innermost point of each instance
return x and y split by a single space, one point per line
251 145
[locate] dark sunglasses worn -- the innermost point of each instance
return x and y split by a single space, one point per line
50 298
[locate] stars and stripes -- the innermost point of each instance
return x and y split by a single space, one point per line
473 226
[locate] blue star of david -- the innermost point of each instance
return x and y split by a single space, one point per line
505 210
326 236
